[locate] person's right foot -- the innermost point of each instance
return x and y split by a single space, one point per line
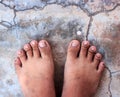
35 69
83 70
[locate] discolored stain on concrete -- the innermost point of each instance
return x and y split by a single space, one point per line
113 34
9 82
107 37
105 34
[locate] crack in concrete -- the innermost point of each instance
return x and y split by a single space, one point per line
34 7
6 5
109 85
103 11
113 8
72 4
1 2
89 26
84 10
14 17
118 71
65 5
78 5
6 24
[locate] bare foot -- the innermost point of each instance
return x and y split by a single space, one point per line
35 70
83 70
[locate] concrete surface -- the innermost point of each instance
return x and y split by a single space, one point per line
60 21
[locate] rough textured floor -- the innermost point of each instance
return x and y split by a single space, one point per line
60 21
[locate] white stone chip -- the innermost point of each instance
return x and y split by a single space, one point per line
79 33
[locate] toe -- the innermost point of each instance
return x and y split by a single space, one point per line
28 50
97 59
18 65
84 49
101 67
22 56
73 49
36 52
45 49
91 53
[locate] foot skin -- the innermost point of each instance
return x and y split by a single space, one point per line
35 69
83 70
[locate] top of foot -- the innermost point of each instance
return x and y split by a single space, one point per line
35 69
83 70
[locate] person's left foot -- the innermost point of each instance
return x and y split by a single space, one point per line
83 70
35 69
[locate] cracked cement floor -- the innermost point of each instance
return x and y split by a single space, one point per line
60 21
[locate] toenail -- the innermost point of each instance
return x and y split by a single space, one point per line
98 55
85 43
33 42
26 46
74 44
93 49
19 52
42 44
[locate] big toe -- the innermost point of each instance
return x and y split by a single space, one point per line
73 49
45 49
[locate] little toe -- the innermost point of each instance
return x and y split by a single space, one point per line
84 49
101 67
18 65
36 52
22 55
97 58
73 49
45 49
28 50
91 53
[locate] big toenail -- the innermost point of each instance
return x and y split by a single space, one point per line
42 44
74 44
